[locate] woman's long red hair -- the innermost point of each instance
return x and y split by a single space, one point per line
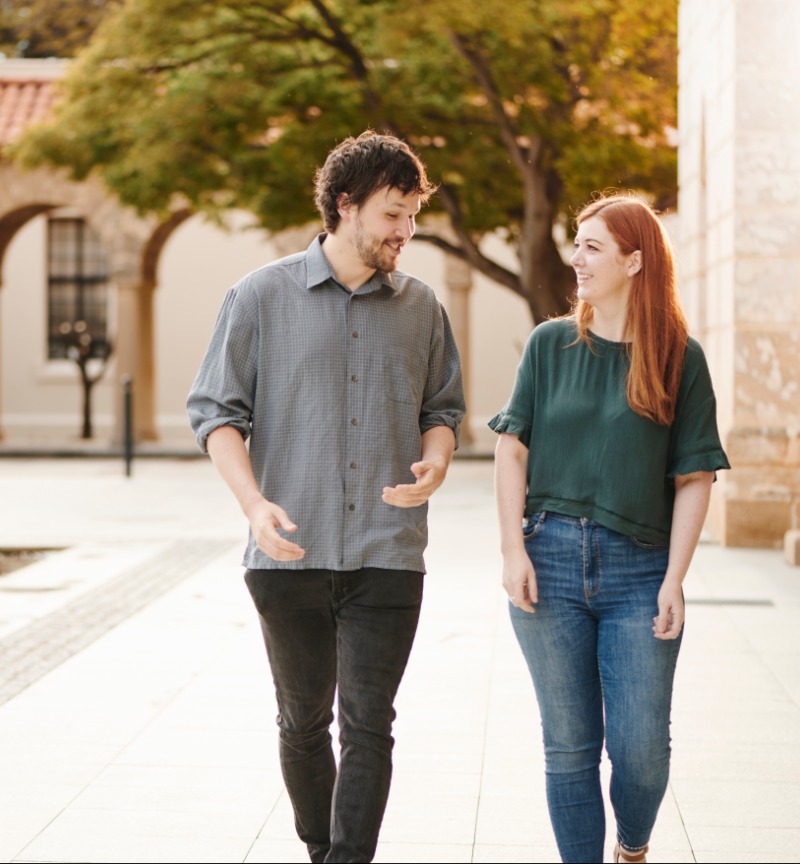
656 323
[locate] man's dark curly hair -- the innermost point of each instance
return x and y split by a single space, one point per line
358 167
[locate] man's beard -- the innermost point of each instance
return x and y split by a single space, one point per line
371 250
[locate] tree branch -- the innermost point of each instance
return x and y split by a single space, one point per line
477 260
343 41
467 249
507 130
339 41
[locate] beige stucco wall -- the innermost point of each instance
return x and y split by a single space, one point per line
739 205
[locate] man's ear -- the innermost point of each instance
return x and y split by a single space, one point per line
635 264
344 205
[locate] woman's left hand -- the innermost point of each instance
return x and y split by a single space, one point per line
671 613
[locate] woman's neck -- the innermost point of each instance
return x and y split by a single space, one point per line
614 328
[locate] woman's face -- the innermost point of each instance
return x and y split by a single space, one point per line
603 272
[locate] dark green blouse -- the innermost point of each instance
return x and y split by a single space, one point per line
590 454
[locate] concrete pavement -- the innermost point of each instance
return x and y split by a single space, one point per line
137 713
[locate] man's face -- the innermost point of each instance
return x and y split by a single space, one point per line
382 226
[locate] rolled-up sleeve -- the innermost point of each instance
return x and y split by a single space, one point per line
223 393
443 397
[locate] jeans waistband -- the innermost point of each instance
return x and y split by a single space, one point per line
542 515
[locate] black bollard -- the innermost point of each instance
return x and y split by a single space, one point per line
127 391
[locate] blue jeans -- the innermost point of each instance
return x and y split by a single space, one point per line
592 655
326 630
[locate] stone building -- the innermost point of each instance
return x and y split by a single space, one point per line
739 213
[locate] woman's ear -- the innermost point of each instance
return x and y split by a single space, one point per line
635 263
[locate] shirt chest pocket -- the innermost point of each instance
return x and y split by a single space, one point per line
404 370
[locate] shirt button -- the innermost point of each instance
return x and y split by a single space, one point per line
353 465
354 377
352 507
355 334
354 421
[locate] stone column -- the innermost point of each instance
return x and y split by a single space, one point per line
458 279
144 395
2 434
134 358
739 211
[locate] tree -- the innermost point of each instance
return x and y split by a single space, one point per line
91 354
520 108
49 28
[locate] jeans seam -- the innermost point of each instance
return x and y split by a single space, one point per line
585 549
598 560
539 523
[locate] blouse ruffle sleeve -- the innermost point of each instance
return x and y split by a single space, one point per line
696 444
517 416
504 421
712 460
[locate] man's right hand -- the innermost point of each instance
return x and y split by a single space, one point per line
265 519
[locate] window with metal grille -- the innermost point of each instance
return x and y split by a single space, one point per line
77 290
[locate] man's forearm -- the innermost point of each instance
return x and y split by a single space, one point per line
438 445
227 450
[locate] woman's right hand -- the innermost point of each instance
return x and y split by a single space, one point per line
519 580
511 484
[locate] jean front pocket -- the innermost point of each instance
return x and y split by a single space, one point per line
533 525
643 544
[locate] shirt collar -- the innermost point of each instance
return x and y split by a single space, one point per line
319 270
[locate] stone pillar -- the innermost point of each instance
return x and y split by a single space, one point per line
144 396
458 279
2 434
739 209
134 358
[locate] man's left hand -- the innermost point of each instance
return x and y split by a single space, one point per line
430 476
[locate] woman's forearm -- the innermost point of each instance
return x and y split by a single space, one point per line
511 490
692 495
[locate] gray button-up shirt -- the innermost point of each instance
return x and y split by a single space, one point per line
334 390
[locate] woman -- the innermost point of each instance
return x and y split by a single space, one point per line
607 448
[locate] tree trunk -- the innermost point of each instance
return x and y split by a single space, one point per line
549 284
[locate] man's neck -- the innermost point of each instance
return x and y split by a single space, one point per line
348 268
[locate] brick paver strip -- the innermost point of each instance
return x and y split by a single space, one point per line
36 649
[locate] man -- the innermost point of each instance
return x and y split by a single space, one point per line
344 374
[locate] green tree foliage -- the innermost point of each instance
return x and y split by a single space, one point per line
520 108
49 28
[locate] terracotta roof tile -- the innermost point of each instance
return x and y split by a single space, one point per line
26 94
